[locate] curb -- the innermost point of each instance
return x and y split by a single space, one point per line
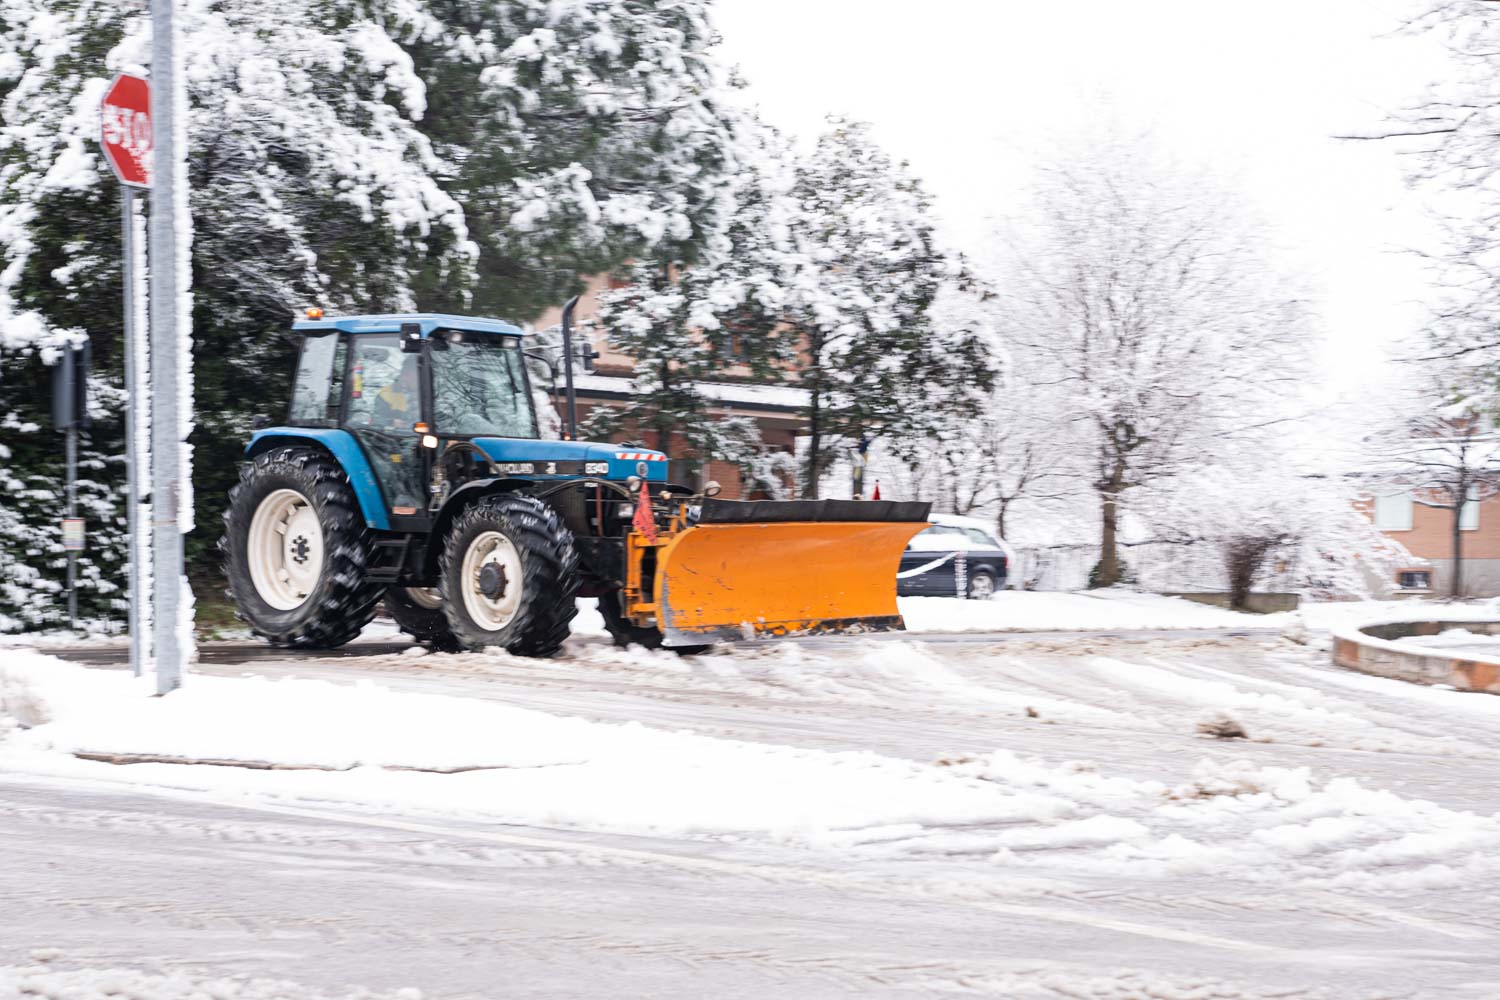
1370 649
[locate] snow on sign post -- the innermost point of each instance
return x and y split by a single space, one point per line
126 134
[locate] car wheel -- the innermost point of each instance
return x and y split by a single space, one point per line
981 586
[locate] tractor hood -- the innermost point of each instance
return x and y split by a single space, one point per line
526 458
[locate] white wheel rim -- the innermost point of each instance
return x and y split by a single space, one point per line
285 549
491 548
425 597
982 588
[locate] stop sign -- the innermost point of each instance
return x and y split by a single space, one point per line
126 131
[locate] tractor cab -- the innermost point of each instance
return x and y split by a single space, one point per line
411 388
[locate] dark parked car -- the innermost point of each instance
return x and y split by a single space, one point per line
956 557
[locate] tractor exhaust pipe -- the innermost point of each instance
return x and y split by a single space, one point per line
567 331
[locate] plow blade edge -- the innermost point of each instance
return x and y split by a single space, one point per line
770 568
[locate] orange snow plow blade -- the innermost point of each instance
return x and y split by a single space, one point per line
770 568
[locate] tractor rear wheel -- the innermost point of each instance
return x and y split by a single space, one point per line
627 633
295 549
509 576
419 613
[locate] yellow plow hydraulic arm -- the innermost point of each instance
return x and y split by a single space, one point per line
745 569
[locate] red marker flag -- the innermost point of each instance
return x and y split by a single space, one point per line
876 494
643 521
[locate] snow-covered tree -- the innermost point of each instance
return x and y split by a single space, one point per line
684 322
1271 508
577 135
1008 448
868 269
1153 305
1453 132
363 155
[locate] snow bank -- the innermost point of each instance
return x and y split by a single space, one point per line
45 982
528 767
1232 819
1101 609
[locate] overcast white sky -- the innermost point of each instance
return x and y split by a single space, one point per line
971 92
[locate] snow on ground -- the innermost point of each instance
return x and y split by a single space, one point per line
1085 610
1122 608
1114 609
48 982
1237 819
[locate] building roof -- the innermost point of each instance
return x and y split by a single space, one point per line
773 398
392 323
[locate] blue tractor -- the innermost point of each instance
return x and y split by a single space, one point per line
410 471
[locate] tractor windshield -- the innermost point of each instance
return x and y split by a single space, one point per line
479 387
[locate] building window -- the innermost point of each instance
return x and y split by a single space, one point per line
1415 579
1468 514
1393 513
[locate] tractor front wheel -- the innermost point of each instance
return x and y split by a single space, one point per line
295 549
509 576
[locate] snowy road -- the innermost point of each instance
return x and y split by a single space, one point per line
1093 843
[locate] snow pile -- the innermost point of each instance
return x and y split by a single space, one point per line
1232 819
1263 825
45 982
516 765
1102 609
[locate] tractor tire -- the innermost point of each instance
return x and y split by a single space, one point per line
509 576
418 611
295 548
627 633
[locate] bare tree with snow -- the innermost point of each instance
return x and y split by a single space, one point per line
1149 298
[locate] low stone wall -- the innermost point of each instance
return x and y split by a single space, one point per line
1258 603
1372 649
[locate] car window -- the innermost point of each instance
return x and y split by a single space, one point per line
981 539
938 538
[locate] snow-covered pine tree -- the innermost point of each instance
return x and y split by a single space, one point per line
868 268
338 149
581 134
724 312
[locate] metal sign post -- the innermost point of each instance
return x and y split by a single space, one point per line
126 134
168 250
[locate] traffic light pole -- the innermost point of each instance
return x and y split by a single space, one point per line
166 350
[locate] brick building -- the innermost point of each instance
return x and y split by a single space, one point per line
776 410
1426 531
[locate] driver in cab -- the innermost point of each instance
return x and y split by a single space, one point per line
398 404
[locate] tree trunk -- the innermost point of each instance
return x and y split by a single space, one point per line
1109 571
813 472
1000 519
1457 590
1109 542
1243 559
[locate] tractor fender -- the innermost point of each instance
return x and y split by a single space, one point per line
454 506
341 446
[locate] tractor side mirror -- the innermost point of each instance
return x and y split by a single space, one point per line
260 421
